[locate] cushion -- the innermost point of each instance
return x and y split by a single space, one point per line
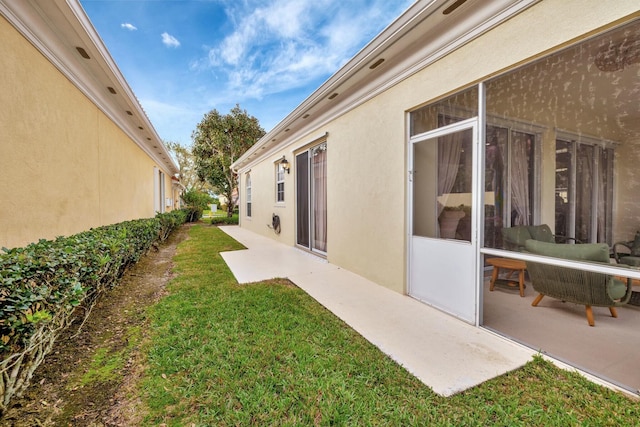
542 233
598 252
616 288
635 246
516 236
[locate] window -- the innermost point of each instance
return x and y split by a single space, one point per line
442 186
159 190
584 191
511 180
248 191
279 182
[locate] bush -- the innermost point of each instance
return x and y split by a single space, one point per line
41 285
225 220
195 202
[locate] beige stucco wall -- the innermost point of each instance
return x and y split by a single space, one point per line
367 147
66 167
263 199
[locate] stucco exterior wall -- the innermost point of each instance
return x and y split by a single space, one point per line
66 167
126 176
367 149
263 200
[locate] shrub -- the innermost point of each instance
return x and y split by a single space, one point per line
195 202
224 220
41 284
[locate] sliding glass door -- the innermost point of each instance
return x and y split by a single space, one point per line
510 181
311 199
584 190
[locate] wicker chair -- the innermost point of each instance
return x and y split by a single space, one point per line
631 256
577 286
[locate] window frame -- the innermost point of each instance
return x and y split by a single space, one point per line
280 185
248 203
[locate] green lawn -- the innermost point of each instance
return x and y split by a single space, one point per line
267 354
218 213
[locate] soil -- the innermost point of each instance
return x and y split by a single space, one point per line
57 396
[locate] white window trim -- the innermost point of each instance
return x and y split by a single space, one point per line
248 203
280 180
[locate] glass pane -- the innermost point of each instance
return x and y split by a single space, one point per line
280 192
442 187
461 106
584 192
302 199
589 91
319 167
563 171
605 196
495 199
521 176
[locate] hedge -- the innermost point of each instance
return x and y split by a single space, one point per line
224 220
42 284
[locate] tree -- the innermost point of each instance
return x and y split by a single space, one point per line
218 141
187 163
195 202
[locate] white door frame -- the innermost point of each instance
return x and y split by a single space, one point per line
446 273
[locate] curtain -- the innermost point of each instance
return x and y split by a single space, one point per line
319 165
449 149
584 192
602 198
520 178
494 182
302 199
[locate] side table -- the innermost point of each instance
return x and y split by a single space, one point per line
507 264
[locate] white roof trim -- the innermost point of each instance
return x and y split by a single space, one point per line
56 28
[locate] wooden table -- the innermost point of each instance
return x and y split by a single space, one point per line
507 264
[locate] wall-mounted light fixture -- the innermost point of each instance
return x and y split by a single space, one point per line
285 164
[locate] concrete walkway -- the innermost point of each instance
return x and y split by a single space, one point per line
446 354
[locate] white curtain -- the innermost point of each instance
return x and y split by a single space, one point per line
584 192
520 179
602 198
449 149
319 165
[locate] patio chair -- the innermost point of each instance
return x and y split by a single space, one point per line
577 286
515 237
632 257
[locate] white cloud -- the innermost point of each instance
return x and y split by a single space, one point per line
128 26
282 45
173 121
169 40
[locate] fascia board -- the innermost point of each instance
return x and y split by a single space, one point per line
50 26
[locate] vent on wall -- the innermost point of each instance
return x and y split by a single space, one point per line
453 7
375 64
83 52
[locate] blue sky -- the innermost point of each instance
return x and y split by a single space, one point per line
183 58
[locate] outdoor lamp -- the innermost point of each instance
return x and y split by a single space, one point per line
285 164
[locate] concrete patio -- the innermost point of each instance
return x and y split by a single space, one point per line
446 354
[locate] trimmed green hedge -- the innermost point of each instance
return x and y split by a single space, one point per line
41 285
224 220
